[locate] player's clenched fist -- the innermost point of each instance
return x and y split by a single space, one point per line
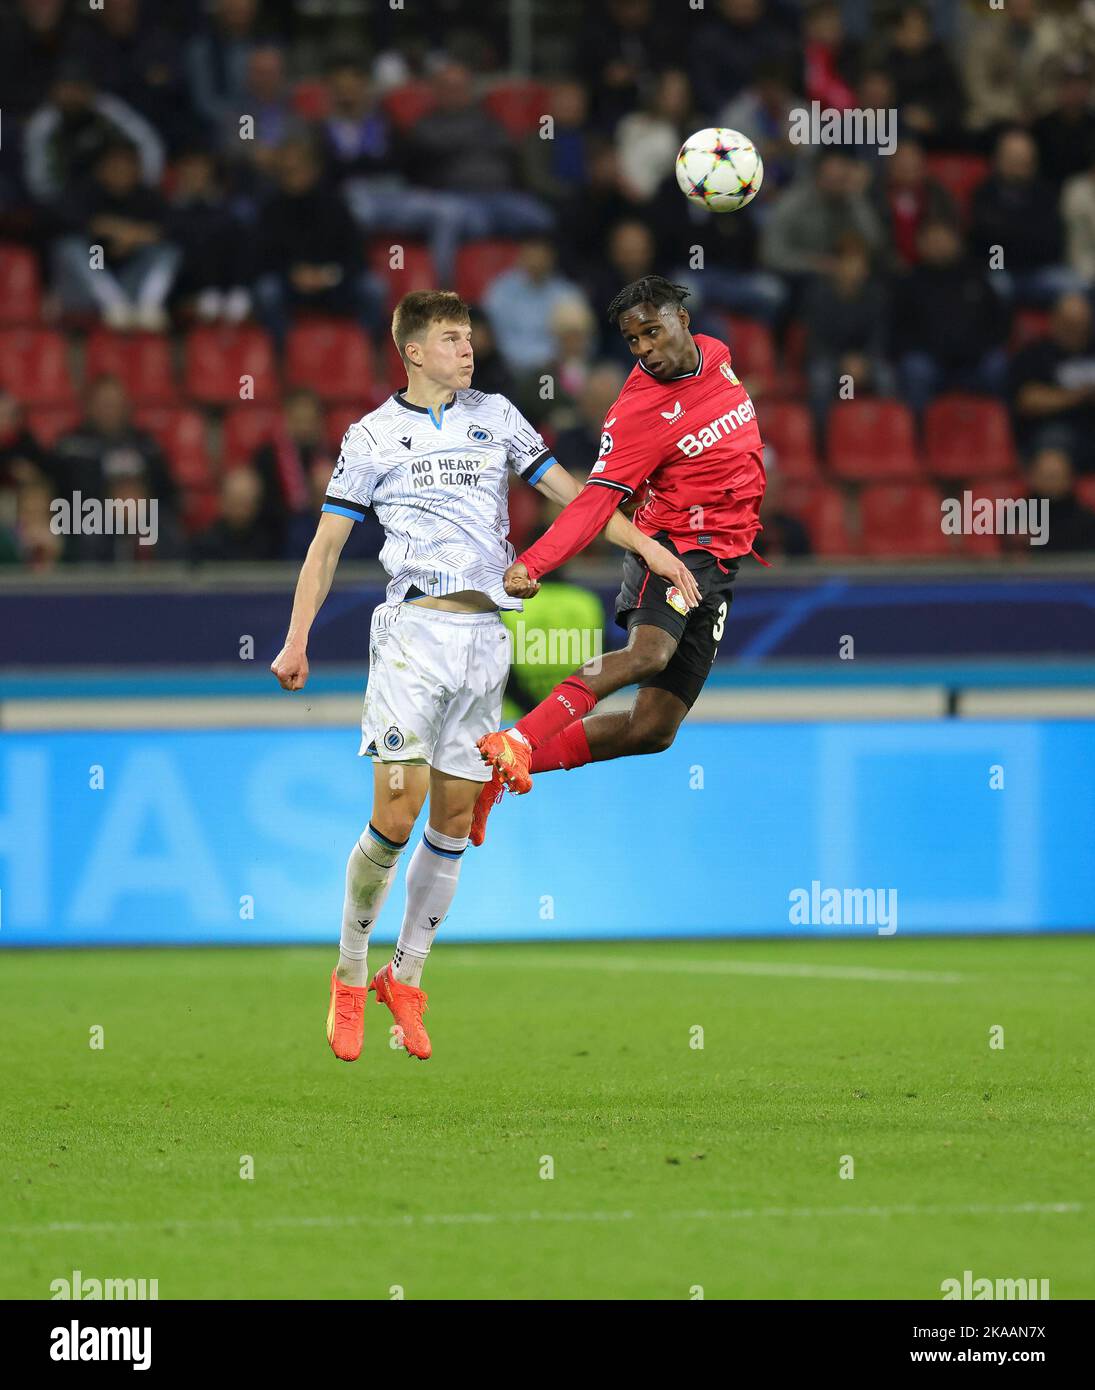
291 667
517 582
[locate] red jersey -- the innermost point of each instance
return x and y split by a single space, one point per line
695 441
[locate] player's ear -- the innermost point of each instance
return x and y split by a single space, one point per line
684 316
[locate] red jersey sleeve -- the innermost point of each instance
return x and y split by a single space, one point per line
622 465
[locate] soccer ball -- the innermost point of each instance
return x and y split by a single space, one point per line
719 169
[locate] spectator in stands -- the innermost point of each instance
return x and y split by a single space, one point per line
457 148
574 331
846 326
648 139
285 464
216 62
308 252
621 48
590 218
632 253
1006 57
241 532
763 110
365 157
784 535
129 222
22 477
1015 220
213 243
106 452
1052 385
577 446
267 105
63 138
950 324
557 170
909 197
34 36
726 49
929 93
491 373
132 55
519 304
1065 135
831 68
32 540
806 225
1071 525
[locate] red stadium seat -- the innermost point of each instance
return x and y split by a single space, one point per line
246 426
216 359
48 424
753 354
333 358
1085 492
339 419
820 508
791 381
34 366
180 433
416 273
143 361
902 520
967 437
960 175
518 105
524 515
1027 327
872 441
788 430
992 488
20 287
407 103
311 101
480 262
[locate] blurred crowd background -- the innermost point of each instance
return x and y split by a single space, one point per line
267 177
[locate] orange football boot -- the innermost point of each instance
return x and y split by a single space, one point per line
510 757
407 1003
489 798
346 1019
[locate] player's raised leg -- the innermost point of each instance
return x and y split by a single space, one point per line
432 877
399 789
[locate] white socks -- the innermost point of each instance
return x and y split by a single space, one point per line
370 871
432 876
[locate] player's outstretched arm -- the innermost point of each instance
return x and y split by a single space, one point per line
560 486
291 663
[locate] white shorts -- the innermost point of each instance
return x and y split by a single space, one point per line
435 687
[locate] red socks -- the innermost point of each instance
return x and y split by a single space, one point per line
567 704
564 751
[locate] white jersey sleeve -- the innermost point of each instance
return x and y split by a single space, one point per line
526 452
350 491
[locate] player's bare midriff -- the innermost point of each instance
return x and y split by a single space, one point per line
466 601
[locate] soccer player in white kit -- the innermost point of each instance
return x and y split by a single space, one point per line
432 462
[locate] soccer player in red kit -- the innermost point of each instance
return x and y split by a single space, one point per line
684 427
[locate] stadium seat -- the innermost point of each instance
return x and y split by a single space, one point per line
180 433
143 361
753 354
525 515
480 262
332 357
339 419
34 366
990 544
791 379
820 507
416 273
968 436
518 105
310 100
216 359
960 175
246 426
20 287
788 431
407 103
1085 492
872 441
1027 326
47 424
902 520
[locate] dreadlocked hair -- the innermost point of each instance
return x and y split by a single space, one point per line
651 289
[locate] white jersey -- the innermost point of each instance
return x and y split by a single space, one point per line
439 487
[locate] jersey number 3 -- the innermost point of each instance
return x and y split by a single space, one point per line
720 622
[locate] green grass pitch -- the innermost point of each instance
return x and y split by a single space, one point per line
674 1167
